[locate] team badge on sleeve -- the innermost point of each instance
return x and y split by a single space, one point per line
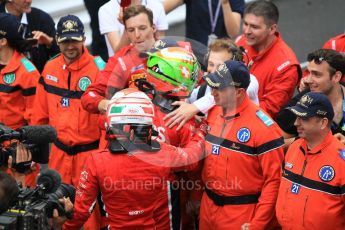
243 135
342 154
83 83
215 149
326 173
264 118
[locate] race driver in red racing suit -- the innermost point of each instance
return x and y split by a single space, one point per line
165 93
132 173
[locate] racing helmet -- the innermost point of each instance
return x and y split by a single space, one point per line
130 116
130 106
173 71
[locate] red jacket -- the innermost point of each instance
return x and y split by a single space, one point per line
336 43
312 189
277 70
58 99
244 157
131 184
18 86
116 75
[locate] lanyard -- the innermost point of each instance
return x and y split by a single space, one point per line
214 19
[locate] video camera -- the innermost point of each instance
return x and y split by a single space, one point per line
33 207
34 138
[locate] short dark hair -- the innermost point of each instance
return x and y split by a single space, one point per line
266 9
135 10
335 60
8 191
228 45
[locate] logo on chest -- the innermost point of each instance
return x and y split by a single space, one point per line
243 135
9 78
326 173
83 83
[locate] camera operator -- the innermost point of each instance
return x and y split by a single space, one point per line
23 158
9 191
57 221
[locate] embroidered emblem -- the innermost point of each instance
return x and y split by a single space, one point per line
83 83
243 135
326 173
9 78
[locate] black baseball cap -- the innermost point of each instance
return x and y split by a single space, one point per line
70 28
313 104
230 73
9 26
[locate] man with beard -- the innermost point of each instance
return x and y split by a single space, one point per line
63 81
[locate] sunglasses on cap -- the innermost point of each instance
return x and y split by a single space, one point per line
316 58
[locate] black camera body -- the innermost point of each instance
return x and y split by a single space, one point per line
33 207
36 139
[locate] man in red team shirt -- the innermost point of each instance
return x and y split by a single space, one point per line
269 58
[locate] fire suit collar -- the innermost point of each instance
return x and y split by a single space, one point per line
14 63
78 64
117 147
256 56
319 148
237 112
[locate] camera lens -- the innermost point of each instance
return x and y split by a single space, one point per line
65 190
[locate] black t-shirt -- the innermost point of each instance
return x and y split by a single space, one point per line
40 21
286 119
198 25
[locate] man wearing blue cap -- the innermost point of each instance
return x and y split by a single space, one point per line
63 81
312 189
244 156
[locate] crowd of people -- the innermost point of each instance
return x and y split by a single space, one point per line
220 130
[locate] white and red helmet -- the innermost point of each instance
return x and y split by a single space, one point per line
130 106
